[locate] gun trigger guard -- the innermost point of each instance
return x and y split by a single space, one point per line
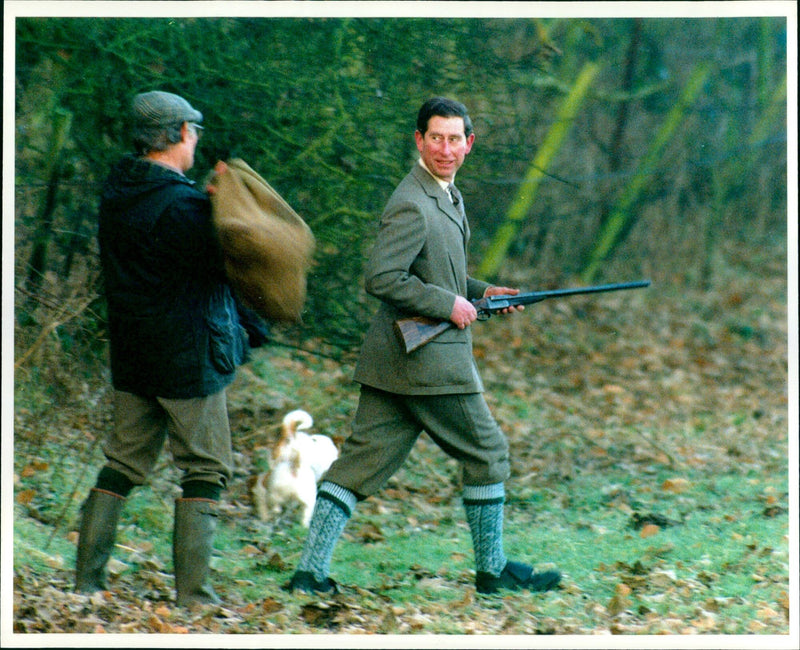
484 315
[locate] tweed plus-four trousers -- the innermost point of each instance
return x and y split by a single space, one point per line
387 425
198 431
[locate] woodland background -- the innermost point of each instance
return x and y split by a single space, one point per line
672 146
607 150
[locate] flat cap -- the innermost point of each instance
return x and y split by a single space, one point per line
159 108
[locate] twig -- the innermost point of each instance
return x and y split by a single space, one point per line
61 319
292 346
657 447
81 475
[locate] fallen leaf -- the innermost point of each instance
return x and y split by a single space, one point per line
705 622
675 485
25 497
371 533
270 606
33 468
276 562
649 530
622 589
618 604
783 600
157 625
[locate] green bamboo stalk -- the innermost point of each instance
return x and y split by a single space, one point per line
496 253
621 215
771 111
763 63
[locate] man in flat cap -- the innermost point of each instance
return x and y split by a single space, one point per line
175 343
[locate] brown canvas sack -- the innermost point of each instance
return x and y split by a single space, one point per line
267 245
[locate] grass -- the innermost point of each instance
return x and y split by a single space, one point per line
720 548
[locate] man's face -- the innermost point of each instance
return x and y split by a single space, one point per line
444 146
190 133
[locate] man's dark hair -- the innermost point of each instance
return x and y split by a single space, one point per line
442 107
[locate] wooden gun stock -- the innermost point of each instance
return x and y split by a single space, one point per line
416 331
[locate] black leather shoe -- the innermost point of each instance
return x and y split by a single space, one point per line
516 576
305 581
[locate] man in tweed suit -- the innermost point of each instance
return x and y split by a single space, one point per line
419 267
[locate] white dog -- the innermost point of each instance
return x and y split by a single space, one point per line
298 462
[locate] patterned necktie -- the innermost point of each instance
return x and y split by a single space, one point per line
455 195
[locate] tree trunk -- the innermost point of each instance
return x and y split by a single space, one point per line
37 265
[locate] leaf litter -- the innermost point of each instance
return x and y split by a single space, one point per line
634 430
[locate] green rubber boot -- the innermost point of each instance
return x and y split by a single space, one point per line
98 531
192 545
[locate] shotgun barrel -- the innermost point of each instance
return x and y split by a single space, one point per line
416 331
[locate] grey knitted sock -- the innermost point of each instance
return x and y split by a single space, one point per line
484 507
334 506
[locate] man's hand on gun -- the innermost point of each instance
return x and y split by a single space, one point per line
464 313
504 291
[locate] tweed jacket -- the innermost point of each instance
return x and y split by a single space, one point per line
417 267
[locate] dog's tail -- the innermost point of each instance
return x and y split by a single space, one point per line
297 420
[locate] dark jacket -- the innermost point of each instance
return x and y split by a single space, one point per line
174 328
418 266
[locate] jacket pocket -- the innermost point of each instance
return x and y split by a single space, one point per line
445 361
226 341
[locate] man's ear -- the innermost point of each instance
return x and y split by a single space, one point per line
470 140
418 138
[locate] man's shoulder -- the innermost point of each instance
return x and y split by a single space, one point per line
414 185
133 177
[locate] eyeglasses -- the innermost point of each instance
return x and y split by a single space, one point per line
196 128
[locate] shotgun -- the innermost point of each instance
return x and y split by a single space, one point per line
416 331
